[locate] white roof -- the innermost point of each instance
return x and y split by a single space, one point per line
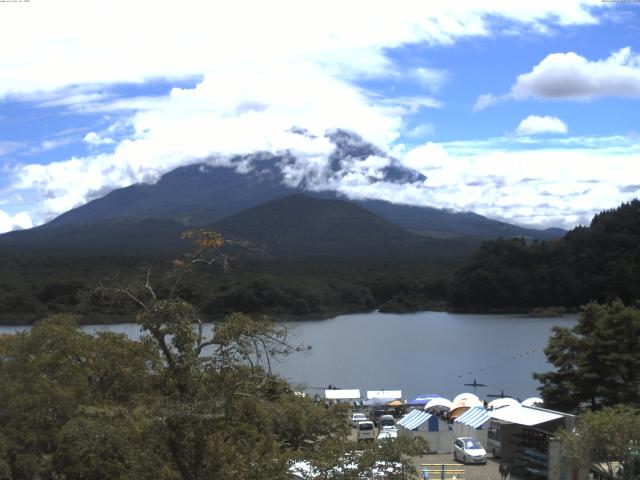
384 394
466 396
526 416
342 394
466 402
438 402
502 402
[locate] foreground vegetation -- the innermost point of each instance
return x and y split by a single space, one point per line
597 362
597 376
175 405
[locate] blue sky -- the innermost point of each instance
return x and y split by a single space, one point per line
522 112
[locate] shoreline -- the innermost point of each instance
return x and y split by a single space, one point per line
106 319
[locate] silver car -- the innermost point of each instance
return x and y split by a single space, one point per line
469 450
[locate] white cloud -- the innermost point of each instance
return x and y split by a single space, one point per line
431 79
569 76
16 222
542 187
261 69
92 138
422 130
58 50
534 125
226 114
488 100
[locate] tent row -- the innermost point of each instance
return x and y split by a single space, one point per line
474 422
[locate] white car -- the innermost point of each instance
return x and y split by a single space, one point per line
388 433
469 450
366 431
357 418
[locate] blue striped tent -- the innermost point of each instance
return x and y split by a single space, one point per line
475 417
416 418
473 423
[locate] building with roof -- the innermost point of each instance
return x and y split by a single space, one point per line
523 436
433 429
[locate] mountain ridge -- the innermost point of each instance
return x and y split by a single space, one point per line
200 195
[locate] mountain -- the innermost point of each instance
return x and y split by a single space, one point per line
193 195
124 237
296 226
447 224
300 226
203 194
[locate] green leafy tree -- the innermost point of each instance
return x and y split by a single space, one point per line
53 371
608 439
597 361
184 402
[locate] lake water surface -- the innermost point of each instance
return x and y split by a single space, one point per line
424 352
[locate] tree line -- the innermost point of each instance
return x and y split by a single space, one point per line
596 263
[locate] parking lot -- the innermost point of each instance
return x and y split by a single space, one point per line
488 471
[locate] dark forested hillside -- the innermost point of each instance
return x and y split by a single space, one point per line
303 227
307 256
599 262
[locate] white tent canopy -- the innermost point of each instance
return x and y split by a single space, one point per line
438 402
342 394
502 402
527 416
532 402
391 394
466 400
467 397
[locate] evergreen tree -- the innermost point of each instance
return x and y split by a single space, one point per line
597 361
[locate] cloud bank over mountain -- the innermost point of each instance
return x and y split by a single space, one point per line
305 84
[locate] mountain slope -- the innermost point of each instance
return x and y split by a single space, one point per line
193 195
445 224
200 195
302 226
295 227
125 237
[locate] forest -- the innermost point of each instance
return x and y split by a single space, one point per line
32 287
600 262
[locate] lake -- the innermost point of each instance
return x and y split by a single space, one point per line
423 352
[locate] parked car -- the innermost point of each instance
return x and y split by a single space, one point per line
357 418
469 450
386 421
388 433
366 430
